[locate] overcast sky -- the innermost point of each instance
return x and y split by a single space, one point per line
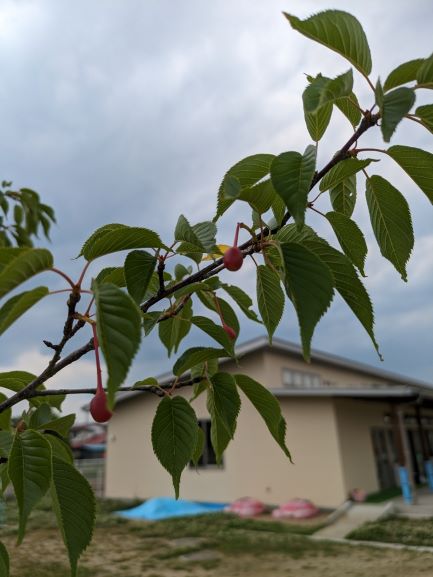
132 111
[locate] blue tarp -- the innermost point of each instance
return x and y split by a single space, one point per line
166 507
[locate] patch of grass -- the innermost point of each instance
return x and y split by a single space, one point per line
213 525
178 551
397 530
53 570
383 495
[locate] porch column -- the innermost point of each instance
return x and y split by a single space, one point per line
425 446
405 468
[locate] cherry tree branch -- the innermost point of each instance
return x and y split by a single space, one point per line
253 245
248 248
158 390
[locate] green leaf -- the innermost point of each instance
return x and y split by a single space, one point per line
119 333
148 382
59 448
291 175
379 94
29 469
139 266
223 403
260 196
116 237
4 561
5 416
318 121
206 232
350 237
40 416
323 91
395 105
75 508
391 222
341 171
18 305
243 301
350 108
211 367
201 386
174 436
310 285
228 313
270 298
343 195
347 283
62 425
418 164
19 265
112 274
232 187
339 31
173 330
181 271
199 447
403 74
248 171
278 209
290 233
184 232
6 440
425 113
268 408
194 356
424 75
17 380
215 331
150 319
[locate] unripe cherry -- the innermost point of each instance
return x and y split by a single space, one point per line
98 407
230 332
233 258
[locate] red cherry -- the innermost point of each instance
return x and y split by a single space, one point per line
233 258
230 332
98 407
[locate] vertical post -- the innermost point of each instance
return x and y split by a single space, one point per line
425 445
406 471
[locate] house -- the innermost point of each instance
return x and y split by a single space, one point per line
88 441
349 426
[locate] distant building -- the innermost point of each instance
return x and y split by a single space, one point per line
348 426
88 441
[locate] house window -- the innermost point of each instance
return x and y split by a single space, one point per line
208 458
300 379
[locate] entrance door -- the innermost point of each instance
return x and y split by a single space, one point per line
384 454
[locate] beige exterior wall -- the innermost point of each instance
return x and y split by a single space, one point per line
253 464
355 419
331 376
330 441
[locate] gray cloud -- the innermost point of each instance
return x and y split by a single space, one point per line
132 112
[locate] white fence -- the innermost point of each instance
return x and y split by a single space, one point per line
94 471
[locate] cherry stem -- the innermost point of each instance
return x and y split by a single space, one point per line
86 314
218 308
235 242
64 275
80 280
99 386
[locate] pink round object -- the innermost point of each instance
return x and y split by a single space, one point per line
296 508
246 507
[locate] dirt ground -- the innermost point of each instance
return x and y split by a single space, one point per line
124 551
